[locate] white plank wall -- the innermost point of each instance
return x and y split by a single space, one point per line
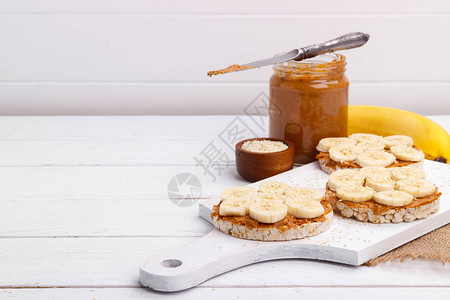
151 57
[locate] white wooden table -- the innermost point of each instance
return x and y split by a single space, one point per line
84 200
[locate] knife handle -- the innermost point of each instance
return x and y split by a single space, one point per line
347 41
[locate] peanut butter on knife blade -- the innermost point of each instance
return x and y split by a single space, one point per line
229 69
346 41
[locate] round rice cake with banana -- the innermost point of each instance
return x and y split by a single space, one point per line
274 212
382 195
363 150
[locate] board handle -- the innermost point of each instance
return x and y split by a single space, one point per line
217 253
194 263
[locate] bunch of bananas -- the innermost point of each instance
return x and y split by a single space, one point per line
427 135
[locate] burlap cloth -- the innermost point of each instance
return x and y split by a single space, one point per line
432 246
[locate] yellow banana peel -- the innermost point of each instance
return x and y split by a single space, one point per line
427 135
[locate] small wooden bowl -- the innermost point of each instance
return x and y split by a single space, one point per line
255 166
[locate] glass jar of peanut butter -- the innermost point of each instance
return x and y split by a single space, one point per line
308 102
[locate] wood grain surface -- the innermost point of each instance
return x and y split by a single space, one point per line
85 226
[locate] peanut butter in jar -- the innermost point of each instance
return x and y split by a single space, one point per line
308 102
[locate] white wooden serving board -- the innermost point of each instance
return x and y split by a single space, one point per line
348 241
